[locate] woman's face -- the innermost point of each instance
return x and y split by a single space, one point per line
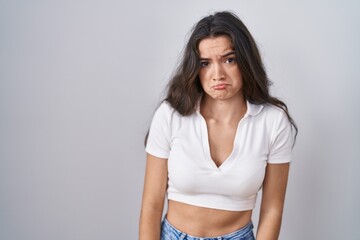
219 74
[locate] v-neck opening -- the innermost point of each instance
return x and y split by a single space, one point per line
206 144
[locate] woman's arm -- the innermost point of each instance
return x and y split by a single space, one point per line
272 203
153 198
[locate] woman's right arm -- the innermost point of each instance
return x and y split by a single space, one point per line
156 177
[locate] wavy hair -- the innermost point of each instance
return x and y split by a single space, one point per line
184 89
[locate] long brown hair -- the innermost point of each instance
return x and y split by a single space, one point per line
184 88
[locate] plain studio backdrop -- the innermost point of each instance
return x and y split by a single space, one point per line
80 80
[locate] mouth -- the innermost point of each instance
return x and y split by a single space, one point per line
221 86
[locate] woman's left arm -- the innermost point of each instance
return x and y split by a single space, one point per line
272 203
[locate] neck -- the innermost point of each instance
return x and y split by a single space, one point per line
223 110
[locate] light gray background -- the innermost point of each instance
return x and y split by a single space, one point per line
80 80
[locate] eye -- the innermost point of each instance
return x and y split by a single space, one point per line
230 60
204 64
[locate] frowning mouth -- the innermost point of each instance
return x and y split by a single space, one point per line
221 86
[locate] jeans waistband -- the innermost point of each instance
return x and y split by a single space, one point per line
245 231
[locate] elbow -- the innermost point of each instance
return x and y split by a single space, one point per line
275 214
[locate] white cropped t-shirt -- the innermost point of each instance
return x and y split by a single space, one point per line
264 135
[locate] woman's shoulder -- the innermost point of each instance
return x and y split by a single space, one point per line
165 108
273 113
165 111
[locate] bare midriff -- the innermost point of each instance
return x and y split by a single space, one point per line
205 222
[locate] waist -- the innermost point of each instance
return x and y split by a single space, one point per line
200 221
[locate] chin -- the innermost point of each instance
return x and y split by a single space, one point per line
221 97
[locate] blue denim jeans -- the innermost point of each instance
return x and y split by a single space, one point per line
169 232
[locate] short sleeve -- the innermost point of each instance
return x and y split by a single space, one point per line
158 141
281 141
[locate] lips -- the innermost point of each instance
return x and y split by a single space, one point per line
220 86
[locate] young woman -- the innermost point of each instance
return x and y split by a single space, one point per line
216 140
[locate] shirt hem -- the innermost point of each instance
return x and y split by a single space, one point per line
245 207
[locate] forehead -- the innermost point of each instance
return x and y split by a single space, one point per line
215 45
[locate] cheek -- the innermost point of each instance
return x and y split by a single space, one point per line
238 78
202 80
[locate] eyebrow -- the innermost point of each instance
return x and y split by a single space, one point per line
225 55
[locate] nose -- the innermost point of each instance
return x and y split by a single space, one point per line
218 72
